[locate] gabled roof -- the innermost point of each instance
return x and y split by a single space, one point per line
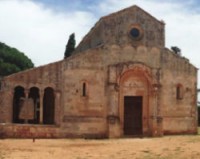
103 20
130 8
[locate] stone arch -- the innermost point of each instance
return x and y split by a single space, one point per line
19 93
134 79
137 80
139 67
49 106
35 95
134 84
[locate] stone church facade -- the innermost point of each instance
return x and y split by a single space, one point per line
120 81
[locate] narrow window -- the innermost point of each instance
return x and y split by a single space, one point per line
84 90
179 92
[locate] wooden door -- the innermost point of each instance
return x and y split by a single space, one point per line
133 115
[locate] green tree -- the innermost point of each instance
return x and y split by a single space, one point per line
70 47
12 60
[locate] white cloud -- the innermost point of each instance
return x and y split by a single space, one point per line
182 24
40 32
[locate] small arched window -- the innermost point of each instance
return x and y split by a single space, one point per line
179 91
84 90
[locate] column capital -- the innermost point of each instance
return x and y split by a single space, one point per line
41 92
26 91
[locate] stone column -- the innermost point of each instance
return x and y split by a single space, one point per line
114 130
113 115
113 108
156 116
26 92
159 110
41 106
154 111
57 116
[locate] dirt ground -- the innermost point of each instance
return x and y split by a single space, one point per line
170 147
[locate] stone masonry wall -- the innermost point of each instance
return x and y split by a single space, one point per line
89 114
179 115
42 77
115 28
29 131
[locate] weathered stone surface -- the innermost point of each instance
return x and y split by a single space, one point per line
89 88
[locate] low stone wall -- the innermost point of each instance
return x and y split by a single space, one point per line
84 127
46 131
29 131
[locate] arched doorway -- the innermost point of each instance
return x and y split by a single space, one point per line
17 100
34 94
48 106
134 103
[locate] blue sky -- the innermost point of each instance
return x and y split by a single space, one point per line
69 5
40 28
66 5
77 4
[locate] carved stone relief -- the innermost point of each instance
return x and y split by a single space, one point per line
133 83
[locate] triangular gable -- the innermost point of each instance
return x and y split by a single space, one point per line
115 29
